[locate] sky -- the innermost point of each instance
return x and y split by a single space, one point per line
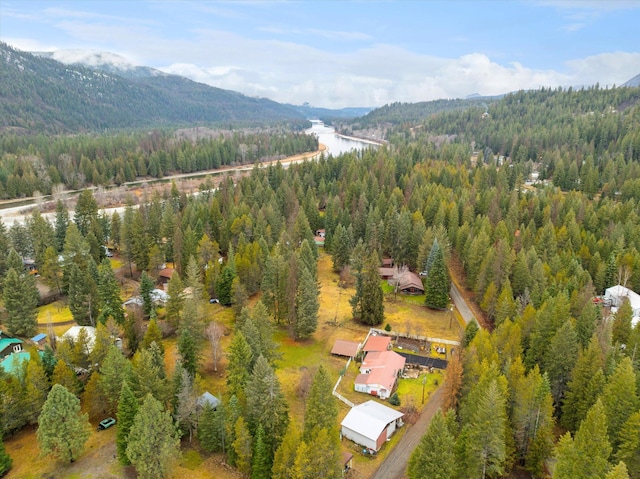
337 54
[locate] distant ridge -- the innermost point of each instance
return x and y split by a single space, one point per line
42 95
635 81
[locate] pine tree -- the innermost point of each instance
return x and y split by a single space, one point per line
189 354
629 449
620 400
211 428
307 306
127 411
242 447
175 301
434 457
153 443
152 335
36 388
83 300
5 460
146 288
560 359
64 375
367 302
319 458
240 357
62 428
109 294
321 409
61 225
273 286
114 371
20 300
224 283
285 456
586 384
266 404
437 284
618 472
586 456
260 460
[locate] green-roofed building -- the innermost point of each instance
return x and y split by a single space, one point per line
9 345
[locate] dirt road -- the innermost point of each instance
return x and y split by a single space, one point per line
395 464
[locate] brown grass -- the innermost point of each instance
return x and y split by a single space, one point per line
299 361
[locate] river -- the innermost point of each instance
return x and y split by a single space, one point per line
337 144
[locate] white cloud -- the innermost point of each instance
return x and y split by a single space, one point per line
30 45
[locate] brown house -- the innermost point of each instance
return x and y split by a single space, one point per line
411 283
165 275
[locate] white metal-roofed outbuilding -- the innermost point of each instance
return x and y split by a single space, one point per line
370 424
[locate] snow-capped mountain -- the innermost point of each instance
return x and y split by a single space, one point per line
101 61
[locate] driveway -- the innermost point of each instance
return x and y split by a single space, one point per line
395 464
461 304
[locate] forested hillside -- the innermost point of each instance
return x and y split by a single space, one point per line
552 385
42 95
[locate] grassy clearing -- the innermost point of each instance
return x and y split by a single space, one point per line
56 312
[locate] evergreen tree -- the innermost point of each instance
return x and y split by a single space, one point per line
260 460
5 460
175 301
367 302
146 288
63 429
211 428
629 449
64 375
20 300
620 400
36 388
240 357
618 472
341 246
434 457
560 359
319 458
127 411
152 335
114 372
321 409
109 294
437 284
285 456
86 211
584 388
274 285
153 443
189 354
266 405
61 225
242 447
51 270
622 323
83 299
586 456
307 306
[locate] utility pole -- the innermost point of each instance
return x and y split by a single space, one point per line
424 381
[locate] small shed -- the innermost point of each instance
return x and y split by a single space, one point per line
377 343
208 398
348 349
387 262
347 462
39 339
370 424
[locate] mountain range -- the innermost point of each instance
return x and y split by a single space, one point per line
74 91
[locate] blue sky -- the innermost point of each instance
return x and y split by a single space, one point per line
337 54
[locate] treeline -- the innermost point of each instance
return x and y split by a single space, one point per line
30 164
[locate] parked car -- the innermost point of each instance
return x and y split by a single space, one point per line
214 301
106 423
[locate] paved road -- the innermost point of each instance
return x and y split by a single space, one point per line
461 304
395 464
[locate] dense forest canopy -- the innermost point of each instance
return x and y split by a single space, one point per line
553 381
39 163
